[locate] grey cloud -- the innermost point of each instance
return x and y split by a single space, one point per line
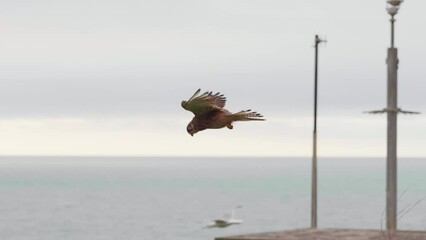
115 58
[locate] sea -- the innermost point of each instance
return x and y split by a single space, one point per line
175 198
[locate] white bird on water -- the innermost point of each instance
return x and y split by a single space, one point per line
223 223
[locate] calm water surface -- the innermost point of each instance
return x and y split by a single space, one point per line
51 198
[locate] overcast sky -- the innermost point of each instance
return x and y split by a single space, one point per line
105 77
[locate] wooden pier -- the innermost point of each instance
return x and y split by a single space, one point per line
332 234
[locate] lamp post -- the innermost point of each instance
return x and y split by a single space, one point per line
392 110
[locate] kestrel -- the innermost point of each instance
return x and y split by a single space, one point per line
210 114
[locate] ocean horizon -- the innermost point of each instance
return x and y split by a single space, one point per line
176 197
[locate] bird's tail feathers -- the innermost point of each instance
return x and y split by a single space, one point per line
247 115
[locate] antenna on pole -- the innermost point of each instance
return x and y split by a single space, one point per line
314 200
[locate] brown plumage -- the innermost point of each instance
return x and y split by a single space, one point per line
210 114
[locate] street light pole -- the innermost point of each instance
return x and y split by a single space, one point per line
391 173
392 111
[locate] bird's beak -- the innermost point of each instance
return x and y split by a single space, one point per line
192 134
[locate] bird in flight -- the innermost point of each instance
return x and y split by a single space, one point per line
210 114
226 221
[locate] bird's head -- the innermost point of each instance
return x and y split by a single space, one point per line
191 129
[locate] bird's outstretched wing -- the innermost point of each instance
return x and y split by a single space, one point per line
206 102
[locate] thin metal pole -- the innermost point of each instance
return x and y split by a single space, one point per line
392 31
314 199
317 41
